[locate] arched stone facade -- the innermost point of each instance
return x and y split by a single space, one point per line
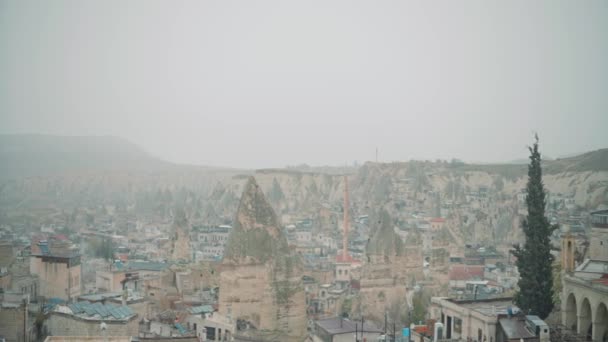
585 308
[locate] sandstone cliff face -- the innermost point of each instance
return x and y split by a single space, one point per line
260 281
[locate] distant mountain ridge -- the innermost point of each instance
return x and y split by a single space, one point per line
27 155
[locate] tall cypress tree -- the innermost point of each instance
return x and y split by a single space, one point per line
534 260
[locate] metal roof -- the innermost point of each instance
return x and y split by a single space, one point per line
146 266
101 310
515 328
44 249
181 329
97 297
200 309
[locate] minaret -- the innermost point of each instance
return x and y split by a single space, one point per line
345 256
567 252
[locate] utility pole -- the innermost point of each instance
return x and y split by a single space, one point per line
384 322
394 332
362 324
25 300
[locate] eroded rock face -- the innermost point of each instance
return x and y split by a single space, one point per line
180 244
390 266
384 241
260 281
386 250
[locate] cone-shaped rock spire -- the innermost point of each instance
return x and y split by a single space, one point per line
256 235
384 240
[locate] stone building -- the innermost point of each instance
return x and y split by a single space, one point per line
260 281
585 288
111 280
14 321
598 243
7 256
58 269
475 320
88 339
84 319
211 326
338 329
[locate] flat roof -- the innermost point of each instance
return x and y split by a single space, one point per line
488 307
593 266
337 325
515 328
97 297
88 338
97 311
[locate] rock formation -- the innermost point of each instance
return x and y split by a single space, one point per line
390 264
384 242
180 242
260 281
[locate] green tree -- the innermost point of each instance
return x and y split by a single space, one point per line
107 250
420 302
534 259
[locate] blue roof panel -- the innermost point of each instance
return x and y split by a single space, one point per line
104 311
181 329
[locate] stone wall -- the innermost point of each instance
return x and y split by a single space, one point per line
246 293
56 277
7 255
11 323
598 249
109 281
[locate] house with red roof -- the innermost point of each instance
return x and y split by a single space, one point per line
437 223
459 275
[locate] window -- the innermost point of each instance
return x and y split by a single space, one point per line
457 325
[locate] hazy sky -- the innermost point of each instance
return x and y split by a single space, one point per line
270 83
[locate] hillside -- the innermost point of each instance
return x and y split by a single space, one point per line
80 171
26 155
481 202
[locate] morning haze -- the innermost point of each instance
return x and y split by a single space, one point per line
303 171
275 83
